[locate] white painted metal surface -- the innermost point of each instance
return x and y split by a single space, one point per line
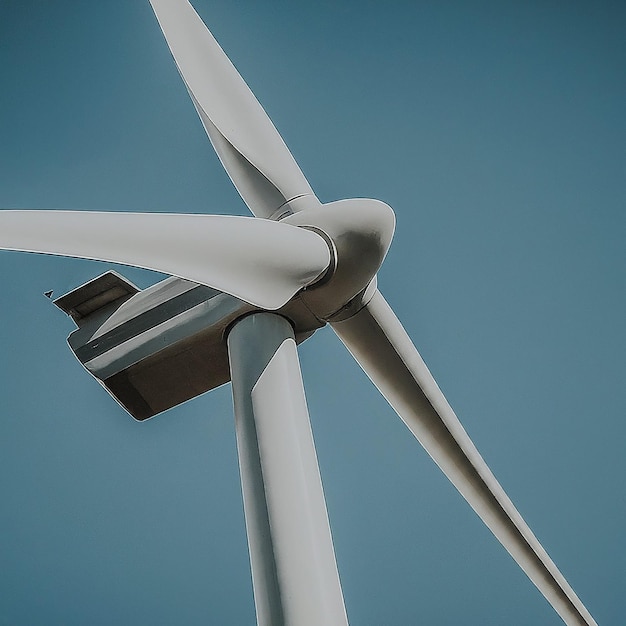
359 232
292 558
262 262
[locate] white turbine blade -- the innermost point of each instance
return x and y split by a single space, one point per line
382 347
249 146
260 261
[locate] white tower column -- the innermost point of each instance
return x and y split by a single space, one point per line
294 572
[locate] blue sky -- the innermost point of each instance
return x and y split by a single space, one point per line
497 133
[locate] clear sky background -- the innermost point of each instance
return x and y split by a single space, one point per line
496 130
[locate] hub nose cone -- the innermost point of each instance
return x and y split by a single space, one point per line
360 231
376 222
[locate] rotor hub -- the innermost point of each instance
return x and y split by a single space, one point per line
358 233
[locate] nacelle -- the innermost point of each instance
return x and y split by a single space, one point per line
153 349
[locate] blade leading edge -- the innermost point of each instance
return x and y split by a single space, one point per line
381 346
260 261
249 146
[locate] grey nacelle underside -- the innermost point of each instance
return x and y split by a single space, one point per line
156 348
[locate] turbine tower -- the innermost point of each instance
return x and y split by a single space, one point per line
244 292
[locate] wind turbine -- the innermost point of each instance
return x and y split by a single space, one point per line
364 223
